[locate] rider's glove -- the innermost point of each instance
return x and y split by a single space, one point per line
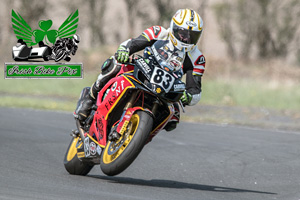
122 54
186 98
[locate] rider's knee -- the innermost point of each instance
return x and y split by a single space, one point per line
107 66
109 70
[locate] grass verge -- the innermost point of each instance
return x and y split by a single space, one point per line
251 93
58 94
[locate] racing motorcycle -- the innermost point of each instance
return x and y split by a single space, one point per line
130 110
62 50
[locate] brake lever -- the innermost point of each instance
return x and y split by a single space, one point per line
181 105
129 62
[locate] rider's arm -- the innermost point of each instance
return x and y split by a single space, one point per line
193 87
147 38
194 69
136 44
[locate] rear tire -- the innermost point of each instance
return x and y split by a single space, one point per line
139 130
72 163
46 58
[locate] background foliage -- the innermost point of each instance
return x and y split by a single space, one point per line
251 47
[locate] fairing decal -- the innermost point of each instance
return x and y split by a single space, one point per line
116 88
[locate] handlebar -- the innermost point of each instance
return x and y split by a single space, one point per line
181 105
130 61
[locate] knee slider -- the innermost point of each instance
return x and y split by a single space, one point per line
85 91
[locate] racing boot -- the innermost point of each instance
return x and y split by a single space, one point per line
171 125
84 105
89 95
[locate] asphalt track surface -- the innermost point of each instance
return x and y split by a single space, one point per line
195 161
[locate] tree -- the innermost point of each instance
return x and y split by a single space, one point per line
97 11
165 10
223 13
268 26
132 13
33 10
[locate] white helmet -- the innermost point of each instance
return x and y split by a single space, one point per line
76 38
185 29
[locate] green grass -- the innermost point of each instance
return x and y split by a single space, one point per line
62 94
55 87
250 93
53 94
37 103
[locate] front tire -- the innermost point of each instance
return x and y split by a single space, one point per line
60 54
113 161
72 163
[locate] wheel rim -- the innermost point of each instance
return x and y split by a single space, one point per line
114 149
72 150
59 55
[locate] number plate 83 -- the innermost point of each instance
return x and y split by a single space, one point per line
162 78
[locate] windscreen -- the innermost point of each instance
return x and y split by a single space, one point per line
167 55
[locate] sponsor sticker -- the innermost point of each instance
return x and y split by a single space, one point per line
191 23
114 86
200 60
156 30
99 150
93 148
144 65
179 87
86 147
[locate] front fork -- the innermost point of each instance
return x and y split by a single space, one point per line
119 129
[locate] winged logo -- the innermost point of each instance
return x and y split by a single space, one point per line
33 37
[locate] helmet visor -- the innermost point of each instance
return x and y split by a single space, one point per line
185 35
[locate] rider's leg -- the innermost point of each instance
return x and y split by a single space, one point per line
109 70
171 125
84 105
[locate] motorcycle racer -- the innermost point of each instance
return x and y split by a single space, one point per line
70 43
184 32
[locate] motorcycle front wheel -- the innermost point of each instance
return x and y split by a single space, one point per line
117 156
72 163
60 54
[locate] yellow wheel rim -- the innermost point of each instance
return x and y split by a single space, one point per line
128 135
72 150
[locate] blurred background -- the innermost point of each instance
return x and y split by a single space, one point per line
252 50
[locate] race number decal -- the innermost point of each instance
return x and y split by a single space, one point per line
162 78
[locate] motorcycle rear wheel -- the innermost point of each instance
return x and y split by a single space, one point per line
113 161
72 163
